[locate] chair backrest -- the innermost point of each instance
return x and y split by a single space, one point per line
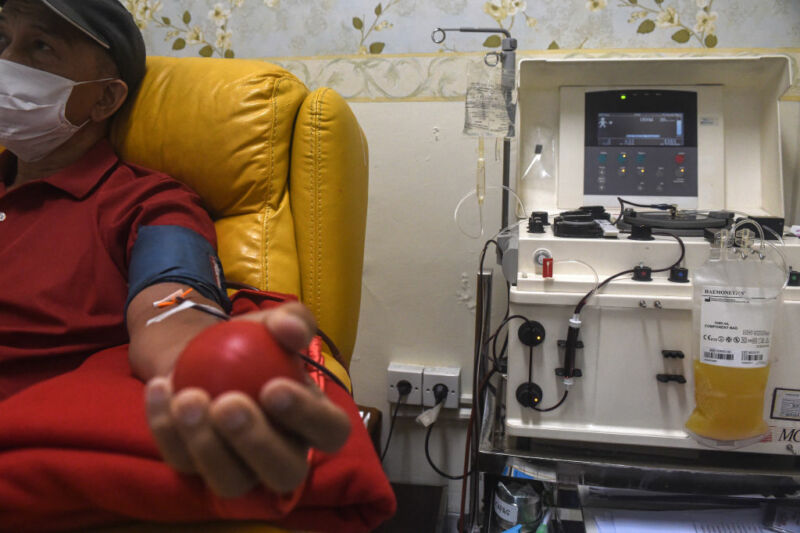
235 131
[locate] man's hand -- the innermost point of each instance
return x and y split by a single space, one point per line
235 443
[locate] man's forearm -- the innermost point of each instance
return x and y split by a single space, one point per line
155 348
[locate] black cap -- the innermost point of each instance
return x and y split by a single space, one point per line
110 25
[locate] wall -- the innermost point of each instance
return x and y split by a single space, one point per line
407 92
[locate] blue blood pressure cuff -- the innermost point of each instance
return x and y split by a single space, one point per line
179 255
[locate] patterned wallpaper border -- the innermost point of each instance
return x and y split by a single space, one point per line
442 76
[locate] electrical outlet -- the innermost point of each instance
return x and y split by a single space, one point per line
449 376
410 373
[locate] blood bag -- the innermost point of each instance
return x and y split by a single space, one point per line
736 297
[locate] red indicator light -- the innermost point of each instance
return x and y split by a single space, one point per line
680 158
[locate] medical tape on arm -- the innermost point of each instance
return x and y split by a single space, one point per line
183 306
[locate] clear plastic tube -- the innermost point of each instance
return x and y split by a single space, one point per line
747 221
784 263
480 182
772 231
587 265
480 209
764 242
775 233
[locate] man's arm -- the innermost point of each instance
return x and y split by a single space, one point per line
233 442
155 348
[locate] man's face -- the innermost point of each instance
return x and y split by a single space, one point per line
33 35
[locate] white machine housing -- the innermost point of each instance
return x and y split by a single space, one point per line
626 327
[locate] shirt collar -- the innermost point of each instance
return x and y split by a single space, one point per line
79 178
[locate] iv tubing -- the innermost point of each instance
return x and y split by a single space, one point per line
480 184
470 193
587 265
783 260
746 221
781 255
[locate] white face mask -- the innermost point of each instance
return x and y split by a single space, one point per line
32 110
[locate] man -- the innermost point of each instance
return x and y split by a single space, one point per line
77 226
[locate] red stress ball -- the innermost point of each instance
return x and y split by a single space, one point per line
237 355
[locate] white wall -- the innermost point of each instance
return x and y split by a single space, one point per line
419 269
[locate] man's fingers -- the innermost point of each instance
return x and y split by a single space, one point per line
307 413
279 460
158 394
224 473
291 324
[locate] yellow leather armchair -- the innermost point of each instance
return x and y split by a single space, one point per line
283 173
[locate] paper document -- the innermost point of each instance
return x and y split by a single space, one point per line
705 521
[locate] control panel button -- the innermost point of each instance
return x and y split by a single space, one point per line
622 171
680 158
602 158
622 158
640 158
680 172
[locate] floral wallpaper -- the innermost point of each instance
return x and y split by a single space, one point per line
372 50
375 51
281 28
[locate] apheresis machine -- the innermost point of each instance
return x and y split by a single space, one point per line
654 269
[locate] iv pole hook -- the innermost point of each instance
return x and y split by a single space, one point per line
440 34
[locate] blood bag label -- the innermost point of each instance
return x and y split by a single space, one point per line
735 327
506 511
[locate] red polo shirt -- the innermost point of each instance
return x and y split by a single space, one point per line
65 244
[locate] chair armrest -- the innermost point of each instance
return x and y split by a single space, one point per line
328 190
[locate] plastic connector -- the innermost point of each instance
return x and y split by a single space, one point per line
404 388
440 391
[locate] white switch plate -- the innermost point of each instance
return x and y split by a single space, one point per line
449 376
411 373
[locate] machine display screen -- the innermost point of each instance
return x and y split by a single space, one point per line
640 129
640 142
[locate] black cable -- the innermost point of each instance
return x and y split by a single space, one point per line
493 336
553 408
325 371
334 350
530 364
400 400
505 321
430 461
599 286
662 207
495 357
683 250
605 282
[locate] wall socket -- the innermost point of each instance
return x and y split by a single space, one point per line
412 374
449 376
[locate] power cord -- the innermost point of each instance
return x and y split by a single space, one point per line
440 395
403 390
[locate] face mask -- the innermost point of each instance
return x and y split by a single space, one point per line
32 110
